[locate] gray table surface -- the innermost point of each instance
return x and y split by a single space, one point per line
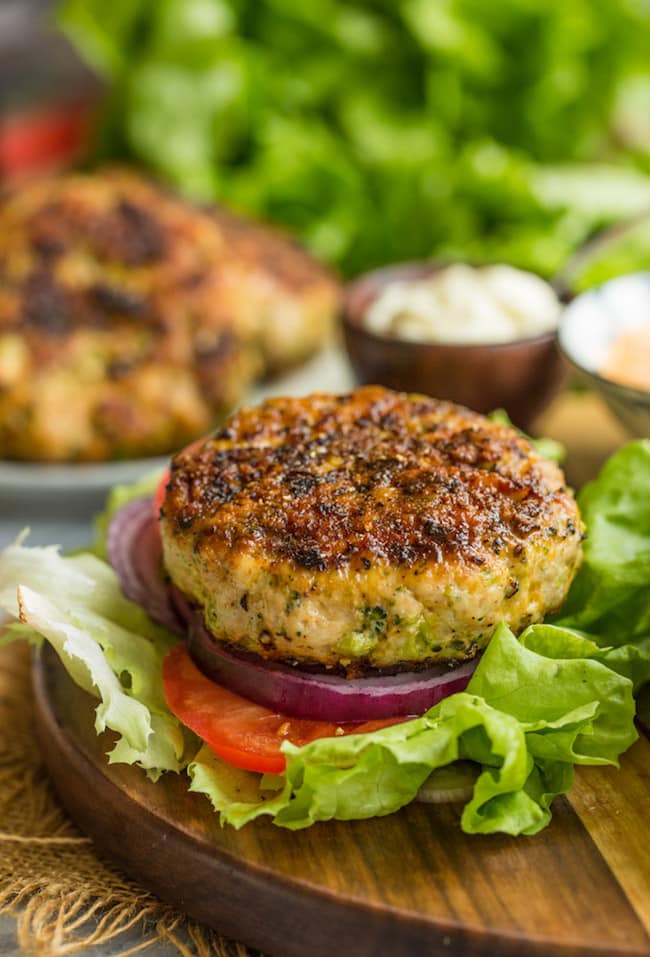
64 517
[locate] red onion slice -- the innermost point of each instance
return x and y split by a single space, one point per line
300 694
135 551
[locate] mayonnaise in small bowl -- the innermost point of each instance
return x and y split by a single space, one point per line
460 304
483 337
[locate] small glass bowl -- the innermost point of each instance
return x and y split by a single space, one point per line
590 325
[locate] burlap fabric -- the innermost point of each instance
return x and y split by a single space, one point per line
65 898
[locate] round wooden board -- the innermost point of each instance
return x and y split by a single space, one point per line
411 883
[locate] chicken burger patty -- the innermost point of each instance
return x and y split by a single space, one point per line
373 530
132 321
290 299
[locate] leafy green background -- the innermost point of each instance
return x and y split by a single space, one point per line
380 130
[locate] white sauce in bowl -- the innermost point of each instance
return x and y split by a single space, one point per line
462 304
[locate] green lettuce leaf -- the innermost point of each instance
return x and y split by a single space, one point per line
532 710
610 597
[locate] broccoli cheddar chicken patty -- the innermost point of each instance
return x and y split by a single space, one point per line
373 530
132 321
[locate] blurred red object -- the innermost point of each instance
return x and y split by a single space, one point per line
43 140
47 96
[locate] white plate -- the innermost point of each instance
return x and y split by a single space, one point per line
29 479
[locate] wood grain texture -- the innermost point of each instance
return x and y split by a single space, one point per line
411 883
614 809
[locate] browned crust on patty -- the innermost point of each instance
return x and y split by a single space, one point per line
375 476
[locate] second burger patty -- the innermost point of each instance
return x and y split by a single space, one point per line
373 530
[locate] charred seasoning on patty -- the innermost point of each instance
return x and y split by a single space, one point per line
318 492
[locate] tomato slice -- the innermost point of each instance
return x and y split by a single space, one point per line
241 732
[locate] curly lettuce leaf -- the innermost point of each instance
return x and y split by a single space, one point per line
107 644
610 597
619 250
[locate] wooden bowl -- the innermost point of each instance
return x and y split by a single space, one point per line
521 377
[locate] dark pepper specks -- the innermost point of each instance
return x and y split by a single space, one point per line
309 558
439 533
330 481
301 483
513 588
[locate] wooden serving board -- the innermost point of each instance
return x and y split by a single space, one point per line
408 884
